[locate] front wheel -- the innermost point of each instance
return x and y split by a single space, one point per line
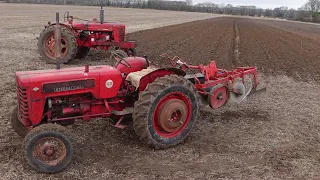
48 148
166 112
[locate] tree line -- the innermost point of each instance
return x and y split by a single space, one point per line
309 12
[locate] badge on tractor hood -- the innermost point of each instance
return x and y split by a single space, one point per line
68 86
109 84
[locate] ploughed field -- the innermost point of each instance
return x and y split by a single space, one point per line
274 135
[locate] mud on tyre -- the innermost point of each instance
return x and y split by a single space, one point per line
46 44
48 148
166 111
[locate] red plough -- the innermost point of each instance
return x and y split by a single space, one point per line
220 85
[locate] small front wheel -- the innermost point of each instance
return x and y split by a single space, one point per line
48 148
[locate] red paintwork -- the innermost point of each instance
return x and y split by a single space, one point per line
174 95
35 79
213 75
136 64
149 78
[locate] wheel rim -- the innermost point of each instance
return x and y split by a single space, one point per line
218 97
49 47
50 151
172 115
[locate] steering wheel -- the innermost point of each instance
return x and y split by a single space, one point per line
120 59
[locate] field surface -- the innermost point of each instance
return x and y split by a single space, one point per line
274 135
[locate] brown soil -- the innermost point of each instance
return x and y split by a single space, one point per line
239 42
274 135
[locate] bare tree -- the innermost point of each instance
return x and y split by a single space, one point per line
312 5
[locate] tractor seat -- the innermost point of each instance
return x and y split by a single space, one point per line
135 77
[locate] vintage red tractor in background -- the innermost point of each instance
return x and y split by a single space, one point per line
78 38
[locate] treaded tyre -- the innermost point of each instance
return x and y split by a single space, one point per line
46 45
48 148
82 52
166 112
132 52
16 125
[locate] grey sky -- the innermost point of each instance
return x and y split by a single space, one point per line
259 3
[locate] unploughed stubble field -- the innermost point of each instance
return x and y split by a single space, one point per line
274 135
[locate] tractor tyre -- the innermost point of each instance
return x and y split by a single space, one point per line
82 52
132 52
16 125
166 112
48 148
46 45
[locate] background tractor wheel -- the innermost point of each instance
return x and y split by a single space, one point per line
132 52
48 148
118 52
82 52
17 126
46 45
166 111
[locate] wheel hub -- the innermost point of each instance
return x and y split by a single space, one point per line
218 97
49 47
50 150
172 115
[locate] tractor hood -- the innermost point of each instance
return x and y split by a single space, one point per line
101 81
97 26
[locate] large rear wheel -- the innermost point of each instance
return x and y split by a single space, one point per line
82 52
166 112
46 45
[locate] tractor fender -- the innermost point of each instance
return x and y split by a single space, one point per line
151 77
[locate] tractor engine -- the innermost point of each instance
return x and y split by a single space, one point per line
76 105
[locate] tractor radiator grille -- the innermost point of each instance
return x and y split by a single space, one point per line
23 103
122 33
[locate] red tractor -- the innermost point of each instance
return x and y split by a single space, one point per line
163 102
78 38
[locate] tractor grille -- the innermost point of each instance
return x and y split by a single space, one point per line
23 103
122 33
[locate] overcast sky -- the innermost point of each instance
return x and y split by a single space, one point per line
259 3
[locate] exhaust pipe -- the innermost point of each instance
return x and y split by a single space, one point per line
101 15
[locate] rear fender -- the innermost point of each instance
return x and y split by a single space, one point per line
151 77
64 25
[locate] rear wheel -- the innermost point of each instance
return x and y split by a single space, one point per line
166 111
132 52
82 52
46 45
48 148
